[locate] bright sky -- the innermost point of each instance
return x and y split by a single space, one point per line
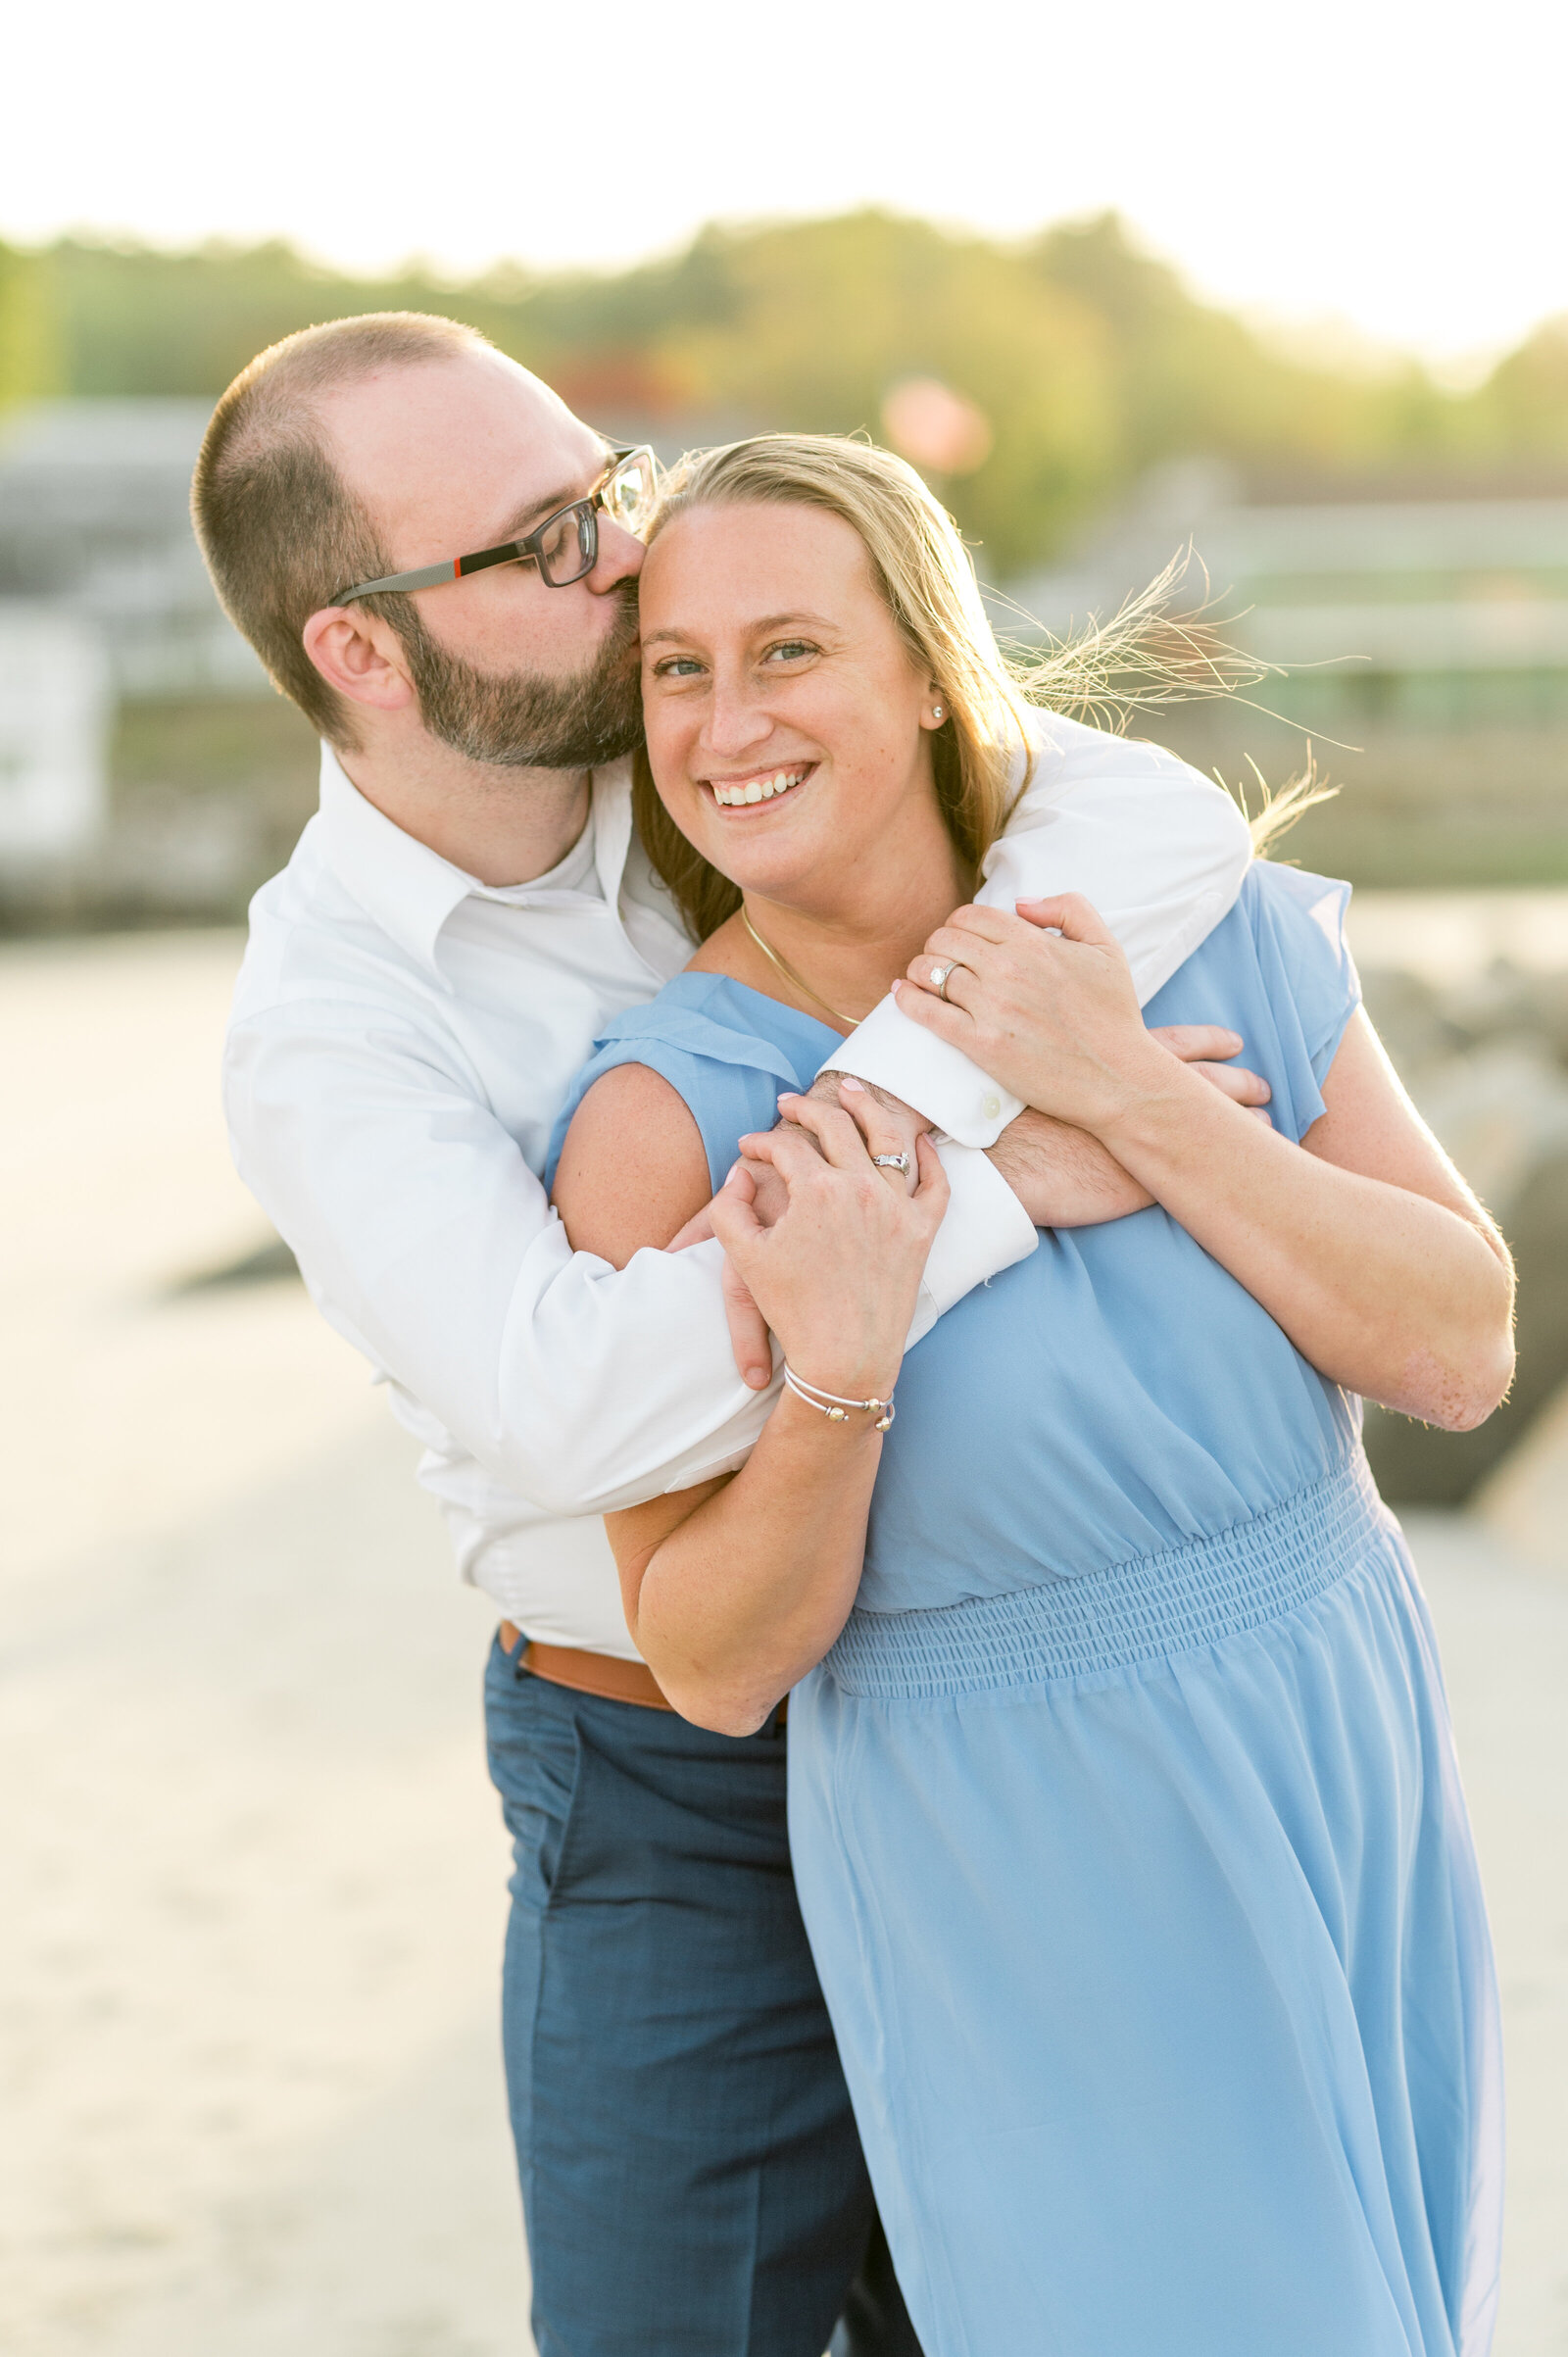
1394 166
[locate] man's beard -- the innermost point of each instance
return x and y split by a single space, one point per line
518 720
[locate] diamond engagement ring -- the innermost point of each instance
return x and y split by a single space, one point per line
892 1161
939 979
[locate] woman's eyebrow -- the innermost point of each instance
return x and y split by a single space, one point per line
765 622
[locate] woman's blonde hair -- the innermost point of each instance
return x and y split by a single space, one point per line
922 573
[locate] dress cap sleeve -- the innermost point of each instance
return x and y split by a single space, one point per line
728 1076
1299 927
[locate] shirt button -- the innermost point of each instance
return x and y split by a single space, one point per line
990 1107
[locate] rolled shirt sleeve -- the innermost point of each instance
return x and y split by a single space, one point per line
984 1230
1159 850
425 1239
429 1244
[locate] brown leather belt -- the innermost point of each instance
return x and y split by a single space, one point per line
603 1674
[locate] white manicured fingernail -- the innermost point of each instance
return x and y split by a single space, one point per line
856 1088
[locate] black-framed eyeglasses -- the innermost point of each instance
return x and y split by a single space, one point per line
565 547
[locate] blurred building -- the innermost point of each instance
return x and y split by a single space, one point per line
140 740
95 519
146 766
54 725
1424 647
1432 611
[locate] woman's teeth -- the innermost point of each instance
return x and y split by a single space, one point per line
757 789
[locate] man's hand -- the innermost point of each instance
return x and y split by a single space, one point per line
1067 1179
1209 1047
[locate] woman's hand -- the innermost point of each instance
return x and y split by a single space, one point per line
733 1589
769 1199
1366 1247
898 1124
1052 1014
837 1273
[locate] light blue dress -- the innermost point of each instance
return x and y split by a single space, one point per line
1125 1812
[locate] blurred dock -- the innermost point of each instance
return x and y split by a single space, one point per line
255 1873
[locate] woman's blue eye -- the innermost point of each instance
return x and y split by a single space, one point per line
676 667
791 649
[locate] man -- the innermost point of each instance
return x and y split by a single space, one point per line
433 557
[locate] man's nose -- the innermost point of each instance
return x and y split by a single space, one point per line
619 558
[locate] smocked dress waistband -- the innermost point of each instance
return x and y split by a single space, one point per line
1147 1609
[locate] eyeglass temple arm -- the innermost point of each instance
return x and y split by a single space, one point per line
430 576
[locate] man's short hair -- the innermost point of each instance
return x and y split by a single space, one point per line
279 529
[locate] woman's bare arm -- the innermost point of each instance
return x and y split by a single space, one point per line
1363 1242
632 1170
732 1590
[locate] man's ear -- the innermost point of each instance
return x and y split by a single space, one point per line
360 656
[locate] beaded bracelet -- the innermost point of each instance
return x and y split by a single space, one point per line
832 1405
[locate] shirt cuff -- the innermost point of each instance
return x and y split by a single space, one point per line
936 1079
984 1230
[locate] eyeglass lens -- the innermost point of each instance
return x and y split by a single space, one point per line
570 547
628 495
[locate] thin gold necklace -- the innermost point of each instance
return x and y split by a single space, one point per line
790 975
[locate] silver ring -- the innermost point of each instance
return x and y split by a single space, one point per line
938 980
892 1161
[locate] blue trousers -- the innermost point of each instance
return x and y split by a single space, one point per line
692 2177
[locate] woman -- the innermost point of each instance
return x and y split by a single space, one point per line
1123 1803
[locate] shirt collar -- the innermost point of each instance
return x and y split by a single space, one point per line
411 891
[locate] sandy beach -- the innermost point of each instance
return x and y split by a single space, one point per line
253 1872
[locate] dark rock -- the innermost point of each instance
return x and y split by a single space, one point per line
1489 1004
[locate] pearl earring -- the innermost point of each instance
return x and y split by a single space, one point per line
935 712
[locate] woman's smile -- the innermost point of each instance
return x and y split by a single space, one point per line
756 787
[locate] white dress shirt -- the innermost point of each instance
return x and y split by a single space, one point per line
401 1042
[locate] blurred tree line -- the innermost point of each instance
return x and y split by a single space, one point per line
1089 358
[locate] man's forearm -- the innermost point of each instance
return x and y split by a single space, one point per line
1063 1177
431 1246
